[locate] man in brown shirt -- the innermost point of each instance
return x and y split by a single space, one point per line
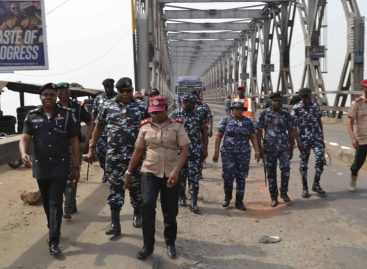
159 137
357 116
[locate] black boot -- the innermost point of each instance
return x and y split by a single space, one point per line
239 204
285 197
305 193
115 229
183 202
137 218
227 199
317 188
194 204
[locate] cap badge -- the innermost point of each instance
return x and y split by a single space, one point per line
155 102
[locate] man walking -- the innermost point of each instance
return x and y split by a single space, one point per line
308 115
101 98
81 115
276 131
357 117
120 117
54 131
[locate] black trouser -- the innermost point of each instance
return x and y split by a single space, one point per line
359 158
52 193
151 186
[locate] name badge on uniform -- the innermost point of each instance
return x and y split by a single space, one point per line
37 120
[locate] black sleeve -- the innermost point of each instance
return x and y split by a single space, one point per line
27 129
84 115
72 127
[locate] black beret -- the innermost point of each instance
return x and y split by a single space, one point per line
275 95
238 105
108 82
50 86
304 92
154 92
124 83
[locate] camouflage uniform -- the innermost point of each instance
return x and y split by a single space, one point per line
276 145
193 166
235 153
122 123
102 142
311 135
81 115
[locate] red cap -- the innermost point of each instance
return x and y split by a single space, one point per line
138 95
364 83
240 88
157 104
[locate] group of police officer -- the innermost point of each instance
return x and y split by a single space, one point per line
113 129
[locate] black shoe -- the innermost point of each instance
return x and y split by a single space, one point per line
285 197
183 202
195 209
239 205
226 202
171 251
144 253
115 231
317 188
274 203
137 220
67 216
104 179
54 249
305 193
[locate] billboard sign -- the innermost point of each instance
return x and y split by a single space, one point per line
23 43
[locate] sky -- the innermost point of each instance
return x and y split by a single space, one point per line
89 41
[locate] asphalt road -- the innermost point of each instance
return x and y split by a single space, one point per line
328 232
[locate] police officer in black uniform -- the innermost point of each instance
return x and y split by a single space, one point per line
54 131
81 115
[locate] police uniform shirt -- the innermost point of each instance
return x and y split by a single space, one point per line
192 124
276 126
122 121
236 134
308 120
161 142
51 141
358 111
99 101
80 114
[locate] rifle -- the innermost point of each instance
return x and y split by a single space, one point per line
265 173
87 172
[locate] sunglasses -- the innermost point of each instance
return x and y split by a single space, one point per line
125 90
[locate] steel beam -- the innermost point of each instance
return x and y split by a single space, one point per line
312 15
211 1
201 43
352 72
191 26
213 14
203 36
266 45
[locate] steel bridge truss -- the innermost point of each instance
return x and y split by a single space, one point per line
222 46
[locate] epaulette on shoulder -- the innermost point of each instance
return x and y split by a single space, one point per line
35 110
148 120
358 99
179 120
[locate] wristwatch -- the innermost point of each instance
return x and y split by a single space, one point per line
128 173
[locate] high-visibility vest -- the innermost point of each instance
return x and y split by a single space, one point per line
249 113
